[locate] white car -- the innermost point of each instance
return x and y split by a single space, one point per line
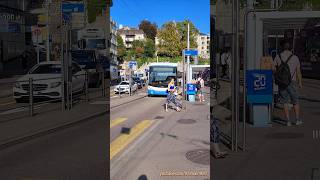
47 81
124 87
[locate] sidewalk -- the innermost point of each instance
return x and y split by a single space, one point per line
178 142
20 129
278 152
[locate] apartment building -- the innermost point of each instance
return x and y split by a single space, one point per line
131 34
203 42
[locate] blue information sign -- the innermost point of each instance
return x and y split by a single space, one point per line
132 64
191 52
259 85
72 7
191 89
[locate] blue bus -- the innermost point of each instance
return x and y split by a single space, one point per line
160 75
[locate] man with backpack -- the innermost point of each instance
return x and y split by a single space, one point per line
288 77
199 86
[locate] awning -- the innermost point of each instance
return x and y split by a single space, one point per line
277 20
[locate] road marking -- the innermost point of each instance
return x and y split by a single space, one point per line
117 121
8 103
124 139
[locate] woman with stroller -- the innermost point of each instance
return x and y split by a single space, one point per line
172 96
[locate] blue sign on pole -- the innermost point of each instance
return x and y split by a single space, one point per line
259 84
72 7
190 52
68 8
132 63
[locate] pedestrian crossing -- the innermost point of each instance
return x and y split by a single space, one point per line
122 141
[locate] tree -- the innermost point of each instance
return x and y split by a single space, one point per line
149 29
138 48
149 48
183 30
121 48
169 40
94 8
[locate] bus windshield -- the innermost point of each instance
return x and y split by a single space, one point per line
95 44
160 76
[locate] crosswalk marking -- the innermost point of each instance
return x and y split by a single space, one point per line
124 139
117 121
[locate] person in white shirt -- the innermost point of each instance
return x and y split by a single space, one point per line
290 95
200 81
226 63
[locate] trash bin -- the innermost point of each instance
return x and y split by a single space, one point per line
191 91
191 97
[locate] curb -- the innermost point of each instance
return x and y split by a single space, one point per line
47 131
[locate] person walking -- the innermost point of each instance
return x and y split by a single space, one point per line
200 87
215 150
288 78
171 95
226 63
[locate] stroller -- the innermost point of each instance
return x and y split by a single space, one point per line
174 98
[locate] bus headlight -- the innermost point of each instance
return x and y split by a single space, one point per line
55 84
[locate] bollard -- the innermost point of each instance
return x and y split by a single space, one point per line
31 96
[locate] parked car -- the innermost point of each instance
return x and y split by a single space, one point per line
47 81
124 87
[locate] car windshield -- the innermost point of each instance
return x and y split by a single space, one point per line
47 69
124 83
82 56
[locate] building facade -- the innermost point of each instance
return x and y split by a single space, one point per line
129 35
203 42
113 44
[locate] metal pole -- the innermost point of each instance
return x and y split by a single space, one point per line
188 57
86 82
103 85
48 31
235 75
63 78
31 96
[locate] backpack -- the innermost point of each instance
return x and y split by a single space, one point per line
282 75
198 85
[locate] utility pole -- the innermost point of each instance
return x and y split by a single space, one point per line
188 57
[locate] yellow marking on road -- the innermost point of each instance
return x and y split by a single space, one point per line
117 121
124 139
8 103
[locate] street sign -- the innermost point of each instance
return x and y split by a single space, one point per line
69 8
133 65
259 86
191 52
72 7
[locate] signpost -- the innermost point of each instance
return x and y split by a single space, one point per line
259 89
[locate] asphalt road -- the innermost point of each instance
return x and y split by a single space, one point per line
79 152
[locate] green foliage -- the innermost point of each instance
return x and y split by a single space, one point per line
169 38
94 8
149 48
149 29
183 30
121 48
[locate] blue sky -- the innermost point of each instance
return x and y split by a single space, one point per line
131 12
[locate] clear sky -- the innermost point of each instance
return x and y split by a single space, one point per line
132 12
